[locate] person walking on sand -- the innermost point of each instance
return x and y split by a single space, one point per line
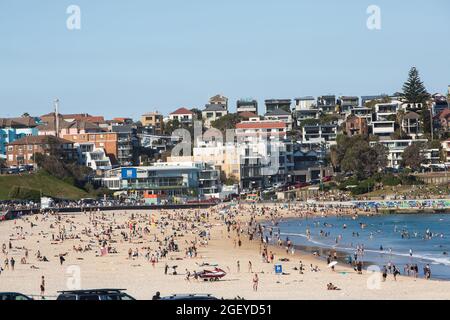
42 287
427 272
250 270
13 263
238 267
255 282
384 273
396 272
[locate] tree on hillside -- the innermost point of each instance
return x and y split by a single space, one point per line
343 143
197 113
356 157
399 134
425 118
226 122
413 156
354 154
171 126
414 90
72 173
380 156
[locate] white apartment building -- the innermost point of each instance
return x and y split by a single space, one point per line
397 147
383 128
92 157
320 134
266 157
305 103
384 110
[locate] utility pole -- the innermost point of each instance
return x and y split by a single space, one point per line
56 103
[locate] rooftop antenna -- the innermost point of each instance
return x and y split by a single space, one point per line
56 103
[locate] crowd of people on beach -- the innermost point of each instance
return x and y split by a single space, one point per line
142 237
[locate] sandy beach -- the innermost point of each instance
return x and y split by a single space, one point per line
152 233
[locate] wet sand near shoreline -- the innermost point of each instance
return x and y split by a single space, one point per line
142 279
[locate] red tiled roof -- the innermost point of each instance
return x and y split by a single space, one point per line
18 122
182 111
261 125
94 119
248 114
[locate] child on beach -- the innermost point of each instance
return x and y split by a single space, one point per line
255 282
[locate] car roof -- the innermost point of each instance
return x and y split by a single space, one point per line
13 293
92 291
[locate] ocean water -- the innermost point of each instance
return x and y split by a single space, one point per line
386 238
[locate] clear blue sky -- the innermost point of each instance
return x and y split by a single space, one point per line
137 56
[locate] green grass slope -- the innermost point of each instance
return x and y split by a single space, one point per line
29 185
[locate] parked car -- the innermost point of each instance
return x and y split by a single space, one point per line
94 294
299 185
11 296
278 185
12 170
190 297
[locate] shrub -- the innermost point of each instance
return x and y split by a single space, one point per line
391 180
363 187
23 193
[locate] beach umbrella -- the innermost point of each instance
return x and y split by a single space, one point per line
332 264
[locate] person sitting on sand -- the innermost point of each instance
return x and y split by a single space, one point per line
331 286
157 296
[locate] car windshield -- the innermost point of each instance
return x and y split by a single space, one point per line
89 297
117 296
67 297
13 296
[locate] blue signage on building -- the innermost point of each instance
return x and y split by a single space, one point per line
129 173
